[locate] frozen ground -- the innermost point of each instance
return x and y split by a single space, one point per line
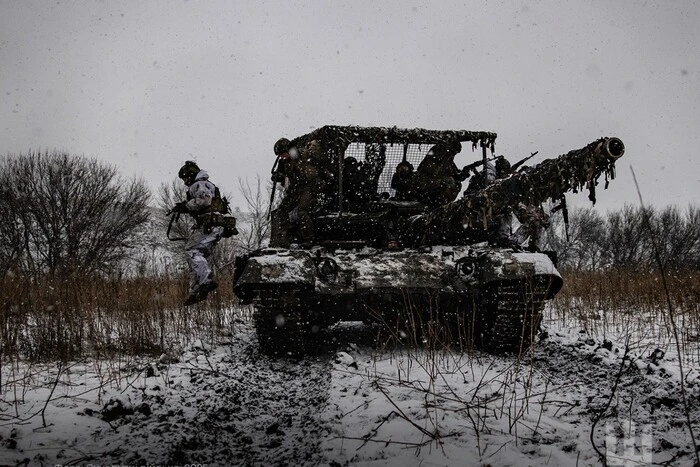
354 404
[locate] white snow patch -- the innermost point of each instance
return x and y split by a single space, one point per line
354 405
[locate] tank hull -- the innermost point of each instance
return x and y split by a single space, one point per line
474 296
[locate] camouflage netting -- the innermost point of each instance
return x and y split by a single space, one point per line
341 136
326 148
551 178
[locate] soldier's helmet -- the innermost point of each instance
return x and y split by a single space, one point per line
445 150
404 167
350 163
502 166
454 147
188 172
282 145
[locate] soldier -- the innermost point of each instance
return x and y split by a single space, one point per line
533 219
500 225
438 180
282 166
293 217
503 167
361 179
355 185
480 179
533 222
402 182
202 199
315 154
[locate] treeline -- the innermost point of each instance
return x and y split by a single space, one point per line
62 214
66 215
625 238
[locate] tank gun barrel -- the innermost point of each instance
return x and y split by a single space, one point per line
551 178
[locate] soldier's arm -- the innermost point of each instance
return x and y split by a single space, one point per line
461 175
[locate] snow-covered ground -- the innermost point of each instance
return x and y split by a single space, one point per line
352 403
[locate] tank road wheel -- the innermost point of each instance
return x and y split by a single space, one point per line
280 330
511 314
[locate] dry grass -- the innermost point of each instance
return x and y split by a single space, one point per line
65 318
633 301
631 289
614 303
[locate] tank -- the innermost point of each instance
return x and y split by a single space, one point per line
426 264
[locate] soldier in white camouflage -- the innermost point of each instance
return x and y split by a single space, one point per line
202 195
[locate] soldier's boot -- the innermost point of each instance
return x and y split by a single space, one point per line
201 292
193 298
208 286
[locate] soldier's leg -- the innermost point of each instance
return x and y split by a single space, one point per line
307 204
198 248
306 227
287 214
280 229
539 225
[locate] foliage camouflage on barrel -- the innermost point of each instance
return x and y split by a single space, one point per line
552 178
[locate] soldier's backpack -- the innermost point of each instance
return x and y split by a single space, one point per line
218 203
217 216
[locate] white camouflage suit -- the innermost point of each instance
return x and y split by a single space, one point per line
200 244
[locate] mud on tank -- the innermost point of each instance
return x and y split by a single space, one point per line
352 241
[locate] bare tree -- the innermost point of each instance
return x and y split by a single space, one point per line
693 224
11 233
73 214
586 235
255 228
619 240
678 236
626 241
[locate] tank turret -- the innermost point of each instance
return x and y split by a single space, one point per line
369 228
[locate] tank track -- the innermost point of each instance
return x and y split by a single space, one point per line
512 315
280 323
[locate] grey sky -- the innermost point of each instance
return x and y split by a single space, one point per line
148 84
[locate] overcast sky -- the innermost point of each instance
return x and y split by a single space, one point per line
146 85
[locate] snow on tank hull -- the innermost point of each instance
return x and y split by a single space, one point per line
475 296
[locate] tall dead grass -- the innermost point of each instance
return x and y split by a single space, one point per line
64 318
629 289
633 300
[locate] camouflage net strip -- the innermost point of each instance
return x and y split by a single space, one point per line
551 178
341 136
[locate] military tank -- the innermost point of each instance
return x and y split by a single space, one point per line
383 250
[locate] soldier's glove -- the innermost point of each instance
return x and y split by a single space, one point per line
181 207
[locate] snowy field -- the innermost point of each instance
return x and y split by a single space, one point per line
580 394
